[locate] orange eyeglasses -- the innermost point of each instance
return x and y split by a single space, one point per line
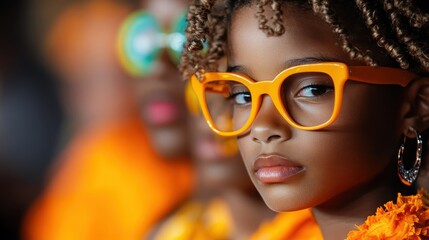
307 96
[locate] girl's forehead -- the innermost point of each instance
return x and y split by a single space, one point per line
306 36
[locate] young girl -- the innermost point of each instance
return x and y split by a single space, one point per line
328 101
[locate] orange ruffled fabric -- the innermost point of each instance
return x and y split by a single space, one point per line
407 219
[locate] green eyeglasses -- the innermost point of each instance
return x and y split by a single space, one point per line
141 39
307 96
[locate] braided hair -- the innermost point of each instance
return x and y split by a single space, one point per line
398 29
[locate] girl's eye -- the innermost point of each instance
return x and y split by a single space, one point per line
312 91
309 85
241 98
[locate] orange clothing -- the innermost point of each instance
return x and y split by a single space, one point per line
196 220
408 218
290 226
111 185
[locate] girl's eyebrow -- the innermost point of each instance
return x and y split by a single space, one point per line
290 63
235 68
309 60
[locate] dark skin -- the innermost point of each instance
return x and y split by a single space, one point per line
423 179
348 166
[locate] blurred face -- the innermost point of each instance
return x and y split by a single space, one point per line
295 169
160 93
218 161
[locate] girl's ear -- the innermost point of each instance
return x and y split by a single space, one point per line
417 110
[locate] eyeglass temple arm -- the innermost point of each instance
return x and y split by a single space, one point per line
386 76
218 88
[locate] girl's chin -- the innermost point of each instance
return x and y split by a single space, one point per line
284 199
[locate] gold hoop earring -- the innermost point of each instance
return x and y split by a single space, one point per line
409 176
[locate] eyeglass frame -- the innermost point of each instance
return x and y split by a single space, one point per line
339 72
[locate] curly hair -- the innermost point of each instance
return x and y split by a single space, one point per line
398 29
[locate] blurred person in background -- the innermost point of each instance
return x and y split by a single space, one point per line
30 119
116 177
225 204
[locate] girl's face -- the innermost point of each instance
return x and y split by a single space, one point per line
295 169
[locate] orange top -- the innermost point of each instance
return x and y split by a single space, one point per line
408 218
111 185
291 226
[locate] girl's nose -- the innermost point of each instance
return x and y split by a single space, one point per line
269 125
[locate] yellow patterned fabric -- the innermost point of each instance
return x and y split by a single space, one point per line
198 221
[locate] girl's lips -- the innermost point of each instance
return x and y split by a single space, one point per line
275 169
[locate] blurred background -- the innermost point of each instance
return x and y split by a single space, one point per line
60 79
31 117
89 148
58 75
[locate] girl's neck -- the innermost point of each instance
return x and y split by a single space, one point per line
248 212
339 218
